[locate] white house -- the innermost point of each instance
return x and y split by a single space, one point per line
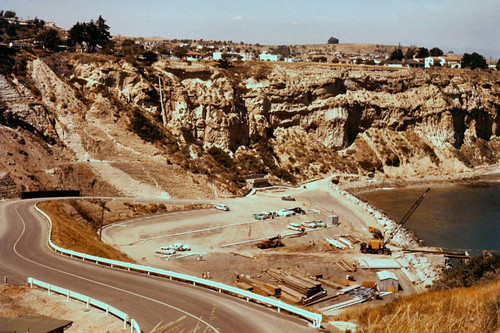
194 56
264 56
217 55
434 61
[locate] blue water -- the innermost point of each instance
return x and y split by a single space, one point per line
454 217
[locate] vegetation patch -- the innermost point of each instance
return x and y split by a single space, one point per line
473 309
69 233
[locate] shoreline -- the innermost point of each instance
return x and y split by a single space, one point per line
463 178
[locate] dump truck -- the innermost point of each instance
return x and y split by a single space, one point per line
271 242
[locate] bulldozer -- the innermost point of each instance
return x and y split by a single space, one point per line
270 242
379 245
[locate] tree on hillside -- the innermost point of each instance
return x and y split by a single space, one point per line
474 61
436 52
149 57
333 40
397 54
498 64
93 33
77 34
422 52
103 31
49 39
283 50
410 53
9 14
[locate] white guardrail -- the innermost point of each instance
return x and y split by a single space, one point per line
315 318
134 326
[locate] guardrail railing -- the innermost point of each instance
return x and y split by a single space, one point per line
315 318
134 326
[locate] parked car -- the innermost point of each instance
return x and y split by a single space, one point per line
165 251
222 207
179 247
260 216
285 212
288 198
298 210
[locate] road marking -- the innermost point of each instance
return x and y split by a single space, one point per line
100 283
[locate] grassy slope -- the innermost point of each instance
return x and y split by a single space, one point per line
475 309
72 235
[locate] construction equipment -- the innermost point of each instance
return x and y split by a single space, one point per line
271 242
379 246
377 234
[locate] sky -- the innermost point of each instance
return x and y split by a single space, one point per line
458 25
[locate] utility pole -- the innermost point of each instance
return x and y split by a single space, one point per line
103 205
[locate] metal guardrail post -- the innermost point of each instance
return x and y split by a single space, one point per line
89 301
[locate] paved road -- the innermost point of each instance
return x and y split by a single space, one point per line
24 252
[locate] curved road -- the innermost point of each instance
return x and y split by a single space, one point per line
24 252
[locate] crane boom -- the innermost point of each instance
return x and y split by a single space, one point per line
406 217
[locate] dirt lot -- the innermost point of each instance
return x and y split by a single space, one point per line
211 232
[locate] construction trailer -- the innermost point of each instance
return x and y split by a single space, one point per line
387 281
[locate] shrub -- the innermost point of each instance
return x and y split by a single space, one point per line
477 270
221 157
145 127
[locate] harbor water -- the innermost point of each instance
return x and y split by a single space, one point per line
454 217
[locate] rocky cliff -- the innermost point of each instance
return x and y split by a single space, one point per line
174 127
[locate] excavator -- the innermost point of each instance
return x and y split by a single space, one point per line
378 245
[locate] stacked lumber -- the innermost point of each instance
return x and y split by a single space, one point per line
244 286
295 287
340 281
345 265
351 239
258 287
304 286
331 284
290 294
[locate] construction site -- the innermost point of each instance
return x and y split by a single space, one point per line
324 249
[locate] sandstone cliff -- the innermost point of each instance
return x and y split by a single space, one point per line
292 121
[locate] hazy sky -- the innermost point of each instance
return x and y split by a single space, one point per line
459 25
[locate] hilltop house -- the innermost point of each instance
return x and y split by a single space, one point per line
194 56
264 56
434 61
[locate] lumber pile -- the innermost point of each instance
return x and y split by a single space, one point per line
345 265
296 286
258 287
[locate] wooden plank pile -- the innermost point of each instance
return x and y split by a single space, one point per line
296 287
345 265
258 287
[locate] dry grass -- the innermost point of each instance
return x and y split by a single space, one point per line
75 222
70 234
471 310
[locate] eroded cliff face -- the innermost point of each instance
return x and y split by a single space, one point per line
292 121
